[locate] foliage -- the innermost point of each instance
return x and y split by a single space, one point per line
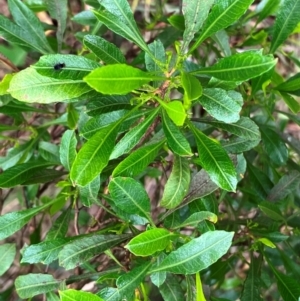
155 157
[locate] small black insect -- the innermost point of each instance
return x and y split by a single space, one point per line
59 66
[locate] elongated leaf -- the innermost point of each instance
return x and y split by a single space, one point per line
159 53
133 136
240 66
7 256
117 79
286 21
130 196
245 128
89 193
49 151
171 289
220 105
197 254
198 217
237 145
291 102
28 21
105 51
67 149
72 295
137 161
292 84
159 278
29 86
266 8
286 185
223 14
175 139
94 155
110 294
175 111
178 183
214 159
84 249
149 242
13 221
31 285
271 210
195 12
18 174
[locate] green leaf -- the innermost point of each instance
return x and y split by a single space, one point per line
31 285
195 12
149 242
49 151
271 210
159 53
221 105
175 139
288 287
137 161
13 221
29 86
223 14
266 8
198 217
7 256
74 295
105 51
285 186
159 278
178 183
85 248
240 66
130 196
291 85
291 102
32 26
214 159
237 145
175 111
117 79
67 149
133 136
94 155
171 289
20 173
286 21
197 254
244 128
274 146
89 193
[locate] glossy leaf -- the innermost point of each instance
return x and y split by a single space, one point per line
7 256
175 139
89 193
178 183
94 155
137 161
214 159
198 217
31 285
74 295
149 242
197 254
175 111
117 79
130 196
29 86
286 21
223 14
67 149
240 66
195 12
220 105
285 186
85 248
291 102
105 51
291 85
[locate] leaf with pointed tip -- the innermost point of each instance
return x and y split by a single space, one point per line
237 145
175 111
291 102
67 149
198 217
271 210
7 256
72 295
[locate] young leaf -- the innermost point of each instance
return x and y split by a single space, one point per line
130 196
197 254
240 66
31 285
214 159
117 79
7 256
29 86
220 105
137 161
105 51
198 217
178 183
85 248
72 295
223 14
195 12
94 155
175 139
175 111
67 149
149 242
286 21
